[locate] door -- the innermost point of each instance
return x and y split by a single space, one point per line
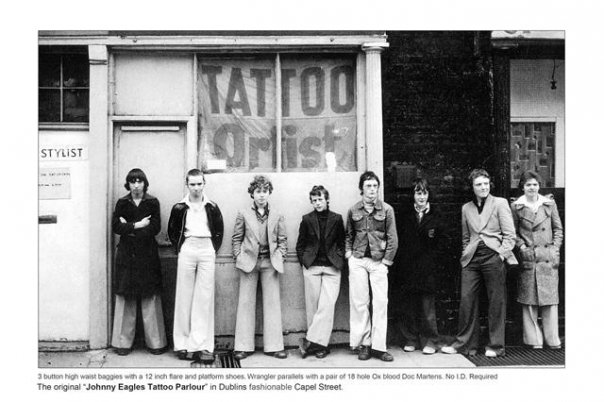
159 150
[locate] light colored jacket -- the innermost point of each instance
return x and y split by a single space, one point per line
494 226
542 234
246 244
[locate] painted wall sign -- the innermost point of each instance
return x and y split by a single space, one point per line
63 152
317 108
54 183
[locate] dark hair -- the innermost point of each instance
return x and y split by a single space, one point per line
528 175
195 172
136 174
420 185
476 173
318 191
260 181
368 175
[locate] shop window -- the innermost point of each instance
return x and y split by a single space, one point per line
241 109
532 147
63 81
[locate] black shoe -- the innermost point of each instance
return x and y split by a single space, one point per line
383 356
304 344
280 354
320 354
123 351
157 351
364 353
240 354
204 357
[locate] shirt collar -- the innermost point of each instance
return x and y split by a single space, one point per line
424 211
192 205
540 201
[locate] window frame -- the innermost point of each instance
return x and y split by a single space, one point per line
62 52
359 88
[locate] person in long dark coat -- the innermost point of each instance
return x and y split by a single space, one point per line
138 271
421 229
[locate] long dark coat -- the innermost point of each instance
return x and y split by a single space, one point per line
138 269
419 251
542 234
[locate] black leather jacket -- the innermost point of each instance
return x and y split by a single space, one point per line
176 224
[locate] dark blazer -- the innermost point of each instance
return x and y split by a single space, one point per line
419 250
138 269
307 246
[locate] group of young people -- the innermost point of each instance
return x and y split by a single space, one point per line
366 246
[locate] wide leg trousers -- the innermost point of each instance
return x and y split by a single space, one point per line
321 289
245 326
194 304
531 333
124 322
485 268
366 329
418 320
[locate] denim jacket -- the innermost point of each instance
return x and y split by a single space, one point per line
378 229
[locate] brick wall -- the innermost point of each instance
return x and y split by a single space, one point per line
438 113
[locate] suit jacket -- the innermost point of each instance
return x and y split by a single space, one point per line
419 250
246 244
494 226
307 246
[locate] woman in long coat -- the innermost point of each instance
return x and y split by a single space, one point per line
421 230
539 237
138 272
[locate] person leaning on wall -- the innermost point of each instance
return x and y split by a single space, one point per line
488 238
371 245
539 237
259 249
195 229
320 250
418 262
136 220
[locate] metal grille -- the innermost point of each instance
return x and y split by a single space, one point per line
224 359
522 356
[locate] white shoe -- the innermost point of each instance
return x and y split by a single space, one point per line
409 348
428 350
490 353
449 350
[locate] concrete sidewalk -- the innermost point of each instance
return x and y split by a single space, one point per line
339 358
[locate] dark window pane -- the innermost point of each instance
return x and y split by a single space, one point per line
49 70
75 105
49 105
75 70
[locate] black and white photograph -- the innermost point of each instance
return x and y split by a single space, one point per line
310 210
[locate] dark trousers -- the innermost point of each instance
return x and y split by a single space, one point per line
418 320
486 267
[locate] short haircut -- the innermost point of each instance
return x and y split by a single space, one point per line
318 191
134 175
476 173
420 186
195 172
368 175
260 181
528 175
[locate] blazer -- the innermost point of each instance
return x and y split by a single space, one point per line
419 247
307 246
246 245
494 226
